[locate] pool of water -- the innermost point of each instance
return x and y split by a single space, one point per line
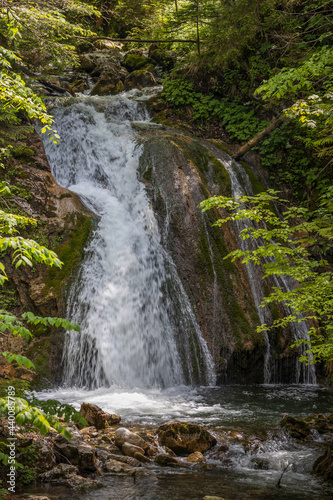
248 408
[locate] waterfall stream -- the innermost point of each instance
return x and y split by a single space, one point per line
137 325
140 352
305 374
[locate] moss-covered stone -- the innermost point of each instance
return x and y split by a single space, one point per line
140 79
166 59
70 251
20 385
107 85
22 151
134 62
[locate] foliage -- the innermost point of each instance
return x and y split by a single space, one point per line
292 246
239 121
52 407
26 413
43 31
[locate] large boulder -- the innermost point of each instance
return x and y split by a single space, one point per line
133 62
103 61
140 79
77 451
98 418
166 59
107 65
184 438
107 85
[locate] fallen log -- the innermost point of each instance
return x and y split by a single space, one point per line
257 138
137 40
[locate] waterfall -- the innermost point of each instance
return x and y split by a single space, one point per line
303 373
137 325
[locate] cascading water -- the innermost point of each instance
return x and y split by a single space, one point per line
139 333
303 373
137 325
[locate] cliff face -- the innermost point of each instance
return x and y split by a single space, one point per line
180 171
64 225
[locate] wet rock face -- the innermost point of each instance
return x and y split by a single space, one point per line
179 172
184 438
98 418
302 428
68 475
323 466
139 79
77 451
62 219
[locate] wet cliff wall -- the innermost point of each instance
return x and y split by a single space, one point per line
64 225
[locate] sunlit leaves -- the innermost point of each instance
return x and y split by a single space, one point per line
58 322
283 245
46 26
19 359
27 414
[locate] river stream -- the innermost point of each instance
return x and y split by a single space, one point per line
135 358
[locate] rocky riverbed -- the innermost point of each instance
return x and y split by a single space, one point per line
105 449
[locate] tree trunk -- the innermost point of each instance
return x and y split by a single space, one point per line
257 138
137 40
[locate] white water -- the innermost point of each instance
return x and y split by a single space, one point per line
303 373
137 325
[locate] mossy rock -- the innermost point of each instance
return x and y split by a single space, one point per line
257 185
107 85
297 427
140 79
71 252
323 466
185 438
134 62
19 384
22 151
151 68
166 59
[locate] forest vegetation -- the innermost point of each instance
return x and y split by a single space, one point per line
242 65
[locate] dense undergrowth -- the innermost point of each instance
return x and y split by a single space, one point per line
251 62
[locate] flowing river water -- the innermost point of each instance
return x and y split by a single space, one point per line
136 357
